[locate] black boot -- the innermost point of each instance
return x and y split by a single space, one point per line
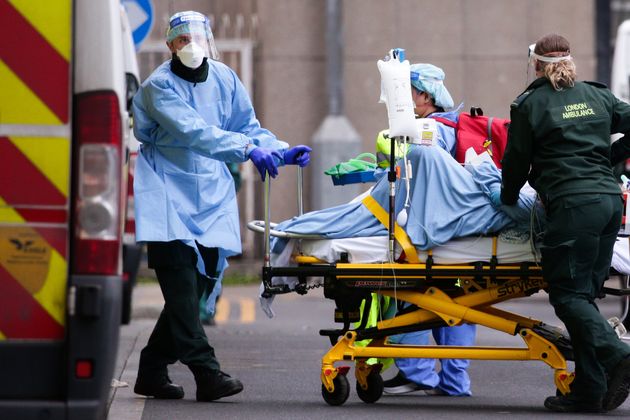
213 384
566 404
158 386
618 385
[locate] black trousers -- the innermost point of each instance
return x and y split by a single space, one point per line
178 333
576 255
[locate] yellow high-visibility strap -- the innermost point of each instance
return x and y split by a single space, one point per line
401 236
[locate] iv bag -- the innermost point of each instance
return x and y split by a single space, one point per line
396 94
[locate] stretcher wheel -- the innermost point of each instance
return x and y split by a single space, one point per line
374 389
341 392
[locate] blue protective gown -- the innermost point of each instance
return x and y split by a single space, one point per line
182 186
446 135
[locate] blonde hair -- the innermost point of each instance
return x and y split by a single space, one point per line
563 73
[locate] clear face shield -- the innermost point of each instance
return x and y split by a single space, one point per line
194 29
531 65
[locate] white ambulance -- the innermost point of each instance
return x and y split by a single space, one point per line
64 126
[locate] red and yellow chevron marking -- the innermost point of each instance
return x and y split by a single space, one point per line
34 181
35 171
35 61
35 70
51 155
33 278
34 186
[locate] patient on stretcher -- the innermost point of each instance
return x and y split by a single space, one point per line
446 201
449 213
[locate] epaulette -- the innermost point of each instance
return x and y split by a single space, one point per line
521 98
596 84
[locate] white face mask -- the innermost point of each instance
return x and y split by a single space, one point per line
191 55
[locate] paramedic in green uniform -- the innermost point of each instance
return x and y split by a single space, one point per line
559 141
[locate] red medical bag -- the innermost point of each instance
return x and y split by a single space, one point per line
479 132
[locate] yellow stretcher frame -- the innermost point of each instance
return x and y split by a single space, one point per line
474 306
483 285
480 286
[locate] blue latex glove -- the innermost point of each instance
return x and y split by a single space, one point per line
495 198
265 161
298 155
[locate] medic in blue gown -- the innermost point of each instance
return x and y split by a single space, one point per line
192 116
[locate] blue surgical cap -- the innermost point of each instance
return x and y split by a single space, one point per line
430 79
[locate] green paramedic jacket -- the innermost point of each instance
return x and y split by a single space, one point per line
559 141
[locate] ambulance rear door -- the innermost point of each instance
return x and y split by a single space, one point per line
61 193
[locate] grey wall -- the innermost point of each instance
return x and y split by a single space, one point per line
481 45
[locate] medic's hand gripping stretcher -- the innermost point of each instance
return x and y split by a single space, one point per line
444 286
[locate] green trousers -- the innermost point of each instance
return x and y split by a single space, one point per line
178 333
576 255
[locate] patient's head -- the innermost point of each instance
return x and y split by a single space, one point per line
429 93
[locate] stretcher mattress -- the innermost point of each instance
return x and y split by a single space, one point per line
374 250
460 250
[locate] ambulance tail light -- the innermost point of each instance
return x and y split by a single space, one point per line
97 190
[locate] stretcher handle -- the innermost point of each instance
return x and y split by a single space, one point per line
267 239
266 278
260 226
300 203
300 185
256 225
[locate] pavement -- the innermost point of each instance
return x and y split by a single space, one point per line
147 303
123 404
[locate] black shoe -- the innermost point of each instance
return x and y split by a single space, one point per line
401 385
618 385
566 404
158 386
212 385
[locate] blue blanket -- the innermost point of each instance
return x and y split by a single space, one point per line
447 201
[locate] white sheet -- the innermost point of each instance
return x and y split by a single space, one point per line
621 256
460 250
